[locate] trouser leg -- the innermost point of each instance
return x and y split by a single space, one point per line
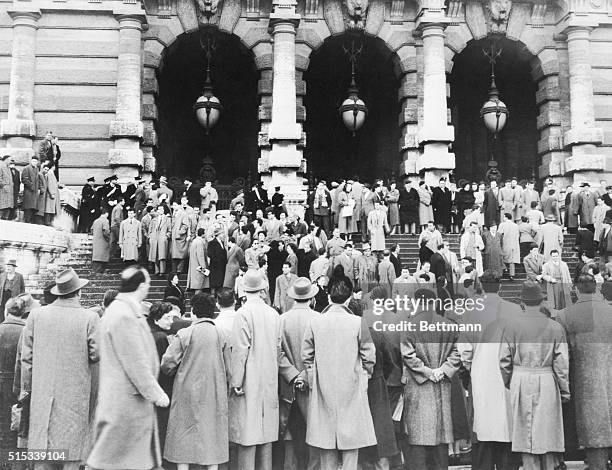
437 457
415 457
246 457
531 461
264 456
350 459
482 455
597 458
328 459
291 461
511 269
504 458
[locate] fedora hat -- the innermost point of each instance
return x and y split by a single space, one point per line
68 282
550 218
302 288
532 291
253 281
11 262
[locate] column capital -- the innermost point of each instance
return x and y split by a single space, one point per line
25 16
284 14
131 19
576 24
17 128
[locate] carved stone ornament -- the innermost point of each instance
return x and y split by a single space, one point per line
498 12
207 8
356 10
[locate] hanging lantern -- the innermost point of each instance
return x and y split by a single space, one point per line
208 108
353 110
494 112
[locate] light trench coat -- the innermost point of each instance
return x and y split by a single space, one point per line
130 239
338 410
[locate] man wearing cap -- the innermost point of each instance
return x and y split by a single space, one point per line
586 204
551 236
11 284
59 348
140 198
164 190
533 360
130 237
294 395
126 429
89 206
588 325
254 364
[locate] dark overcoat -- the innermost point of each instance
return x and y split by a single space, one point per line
10 331
29 178
218 261
441 203
408 206
588 324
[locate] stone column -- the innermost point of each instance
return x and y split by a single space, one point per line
434 134
126 158
19 129
583 137
284 133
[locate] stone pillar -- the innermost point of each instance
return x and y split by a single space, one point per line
126 158
434 133
284 133
583 137
19 129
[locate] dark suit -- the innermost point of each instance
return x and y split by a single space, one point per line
584 241
9 289
397 264
16 183
90 208
218 262
441 203
605 245
491 208
193 196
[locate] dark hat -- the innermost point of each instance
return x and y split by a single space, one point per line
11 262
276 188
533 245
137 178
584 184
91 178
253 281
107 179
302 288
114 178
67 282
532 291
608 188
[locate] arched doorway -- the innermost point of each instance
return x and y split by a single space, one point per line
517 149
331 151
182 142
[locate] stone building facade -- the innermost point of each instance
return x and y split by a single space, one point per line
88 70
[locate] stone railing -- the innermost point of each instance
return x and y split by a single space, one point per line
34 247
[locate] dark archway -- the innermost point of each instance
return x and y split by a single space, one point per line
182 141
517 149
331 151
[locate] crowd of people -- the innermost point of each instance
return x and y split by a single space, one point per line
295 353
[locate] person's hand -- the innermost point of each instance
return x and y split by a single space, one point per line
299 384
238 391
163 402
433 378
438 374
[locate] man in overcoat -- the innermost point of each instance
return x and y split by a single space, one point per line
126 432
339 421
159 236
90 205
441 202
235 257
58 351
197 358
101 242
11 284
588 325
130 237
253 400
197 276
587 200
490 205
430 358
282 300
218 260
6 188
533 360
31 191
293 393
179 247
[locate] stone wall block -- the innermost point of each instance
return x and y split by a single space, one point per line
132 129
255 35
230 14
408 87
475 19
312 34
332 12
149 135
149 81
375 18
125 157
407 59
520 15
18 128
457 37
396 36
549 115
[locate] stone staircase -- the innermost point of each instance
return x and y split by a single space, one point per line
79 258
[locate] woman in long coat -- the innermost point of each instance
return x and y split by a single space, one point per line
572 203
179 247
6 186
347 223
392 203
198 424
159 235
492 253
377 225
409 208
101 238
52 196
425 207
